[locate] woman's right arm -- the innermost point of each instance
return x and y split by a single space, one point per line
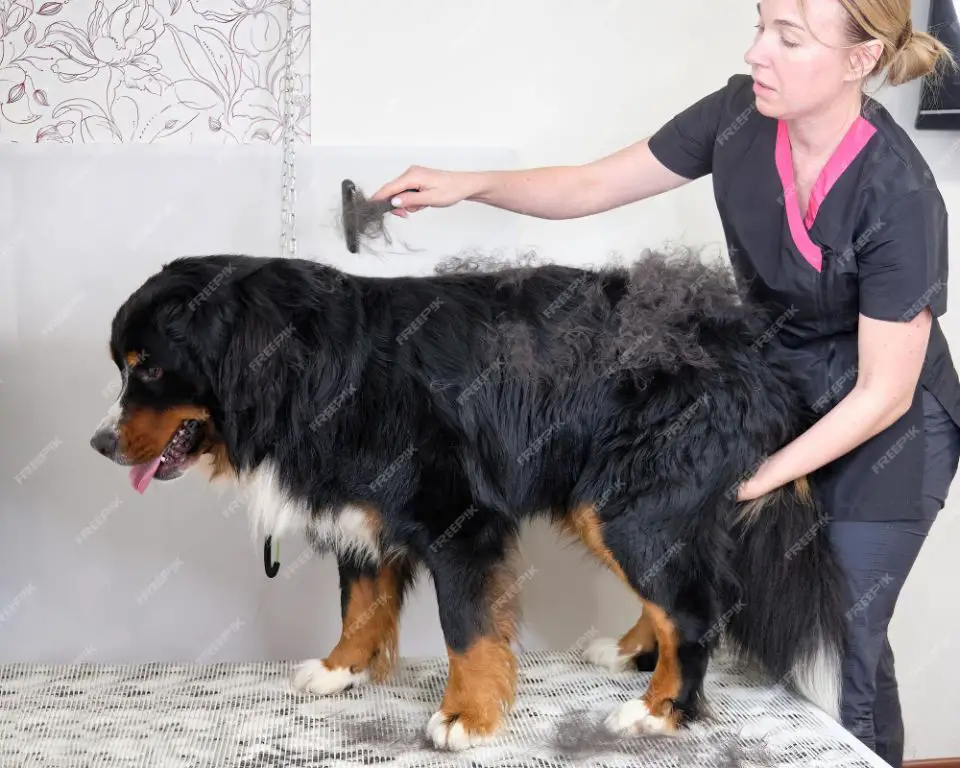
682 150
569 192
553 192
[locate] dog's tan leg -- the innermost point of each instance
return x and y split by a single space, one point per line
607 652
654 712
481 686
482 676
367 649
653 631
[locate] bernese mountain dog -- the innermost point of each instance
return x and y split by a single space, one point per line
414 424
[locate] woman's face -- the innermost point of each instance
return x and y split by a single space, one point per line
800 62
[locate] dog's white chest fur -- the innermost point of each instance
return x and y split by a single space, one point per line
274 512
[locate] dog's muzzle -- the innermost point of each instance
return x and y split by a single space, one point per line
105 442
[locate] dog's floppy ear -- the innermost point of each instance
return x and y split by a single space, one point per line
252 376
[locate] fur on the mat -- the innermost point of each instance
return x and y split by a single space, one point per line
580 735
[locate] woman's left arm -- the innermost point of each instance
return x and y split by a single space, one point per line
902 286
890 359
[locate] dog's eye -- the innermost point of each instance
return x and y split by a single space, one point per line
151 374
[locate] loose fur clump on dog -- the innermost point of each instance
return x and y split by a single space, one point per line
650 318
510 270
417 423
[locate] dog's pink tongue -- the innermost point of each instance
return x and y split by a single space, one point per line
142 474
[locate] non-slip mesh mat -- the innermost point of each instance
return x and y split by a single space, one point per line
250 716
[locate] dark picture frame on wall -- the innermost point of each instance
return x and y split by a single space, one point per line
939 108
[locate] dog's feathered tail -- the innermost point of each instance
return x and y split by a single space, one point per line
789 618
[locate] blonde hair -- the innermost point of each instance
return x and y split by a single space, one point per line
907 54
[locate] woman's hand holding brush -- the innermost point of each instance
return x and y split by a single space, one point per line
550 192
420 188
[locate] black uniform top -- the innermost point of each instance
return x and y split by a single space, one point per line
874 241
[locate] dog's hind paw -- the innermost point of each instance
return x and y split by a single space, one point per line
314 676
605 652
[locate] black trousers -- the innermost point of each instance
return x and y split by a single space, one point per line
877 558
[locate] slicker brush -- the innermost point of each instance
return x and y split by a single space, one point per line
361 217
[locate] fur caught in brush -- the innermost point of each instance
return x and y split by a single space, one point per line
415 423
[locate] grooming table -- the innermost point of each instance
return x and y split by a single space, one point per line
250 716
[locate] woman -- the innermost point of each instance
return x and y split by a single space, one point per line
832 214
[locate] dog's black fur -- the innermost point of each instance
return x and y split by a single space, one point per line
646 394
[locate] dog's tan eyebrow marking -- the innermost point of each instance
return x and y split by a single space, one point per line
135 358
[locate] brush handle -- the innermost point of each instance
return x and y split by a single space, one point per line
385 206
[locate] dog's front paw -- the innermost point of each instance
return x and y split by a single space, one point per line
634 717
460 730
314 676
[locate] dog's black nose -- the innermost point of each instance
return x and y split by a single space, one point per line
105 442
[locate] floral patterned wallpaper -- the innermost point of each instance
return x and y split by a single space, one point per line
150 71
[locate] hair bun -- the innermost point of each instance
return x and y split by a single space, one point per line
918 55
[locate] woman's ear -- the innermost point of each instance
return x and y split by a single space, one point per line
863 59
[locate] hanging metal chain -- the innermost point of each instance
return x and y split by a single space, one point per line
288 207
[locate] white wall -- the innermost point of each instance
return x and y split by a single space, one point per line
172 575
